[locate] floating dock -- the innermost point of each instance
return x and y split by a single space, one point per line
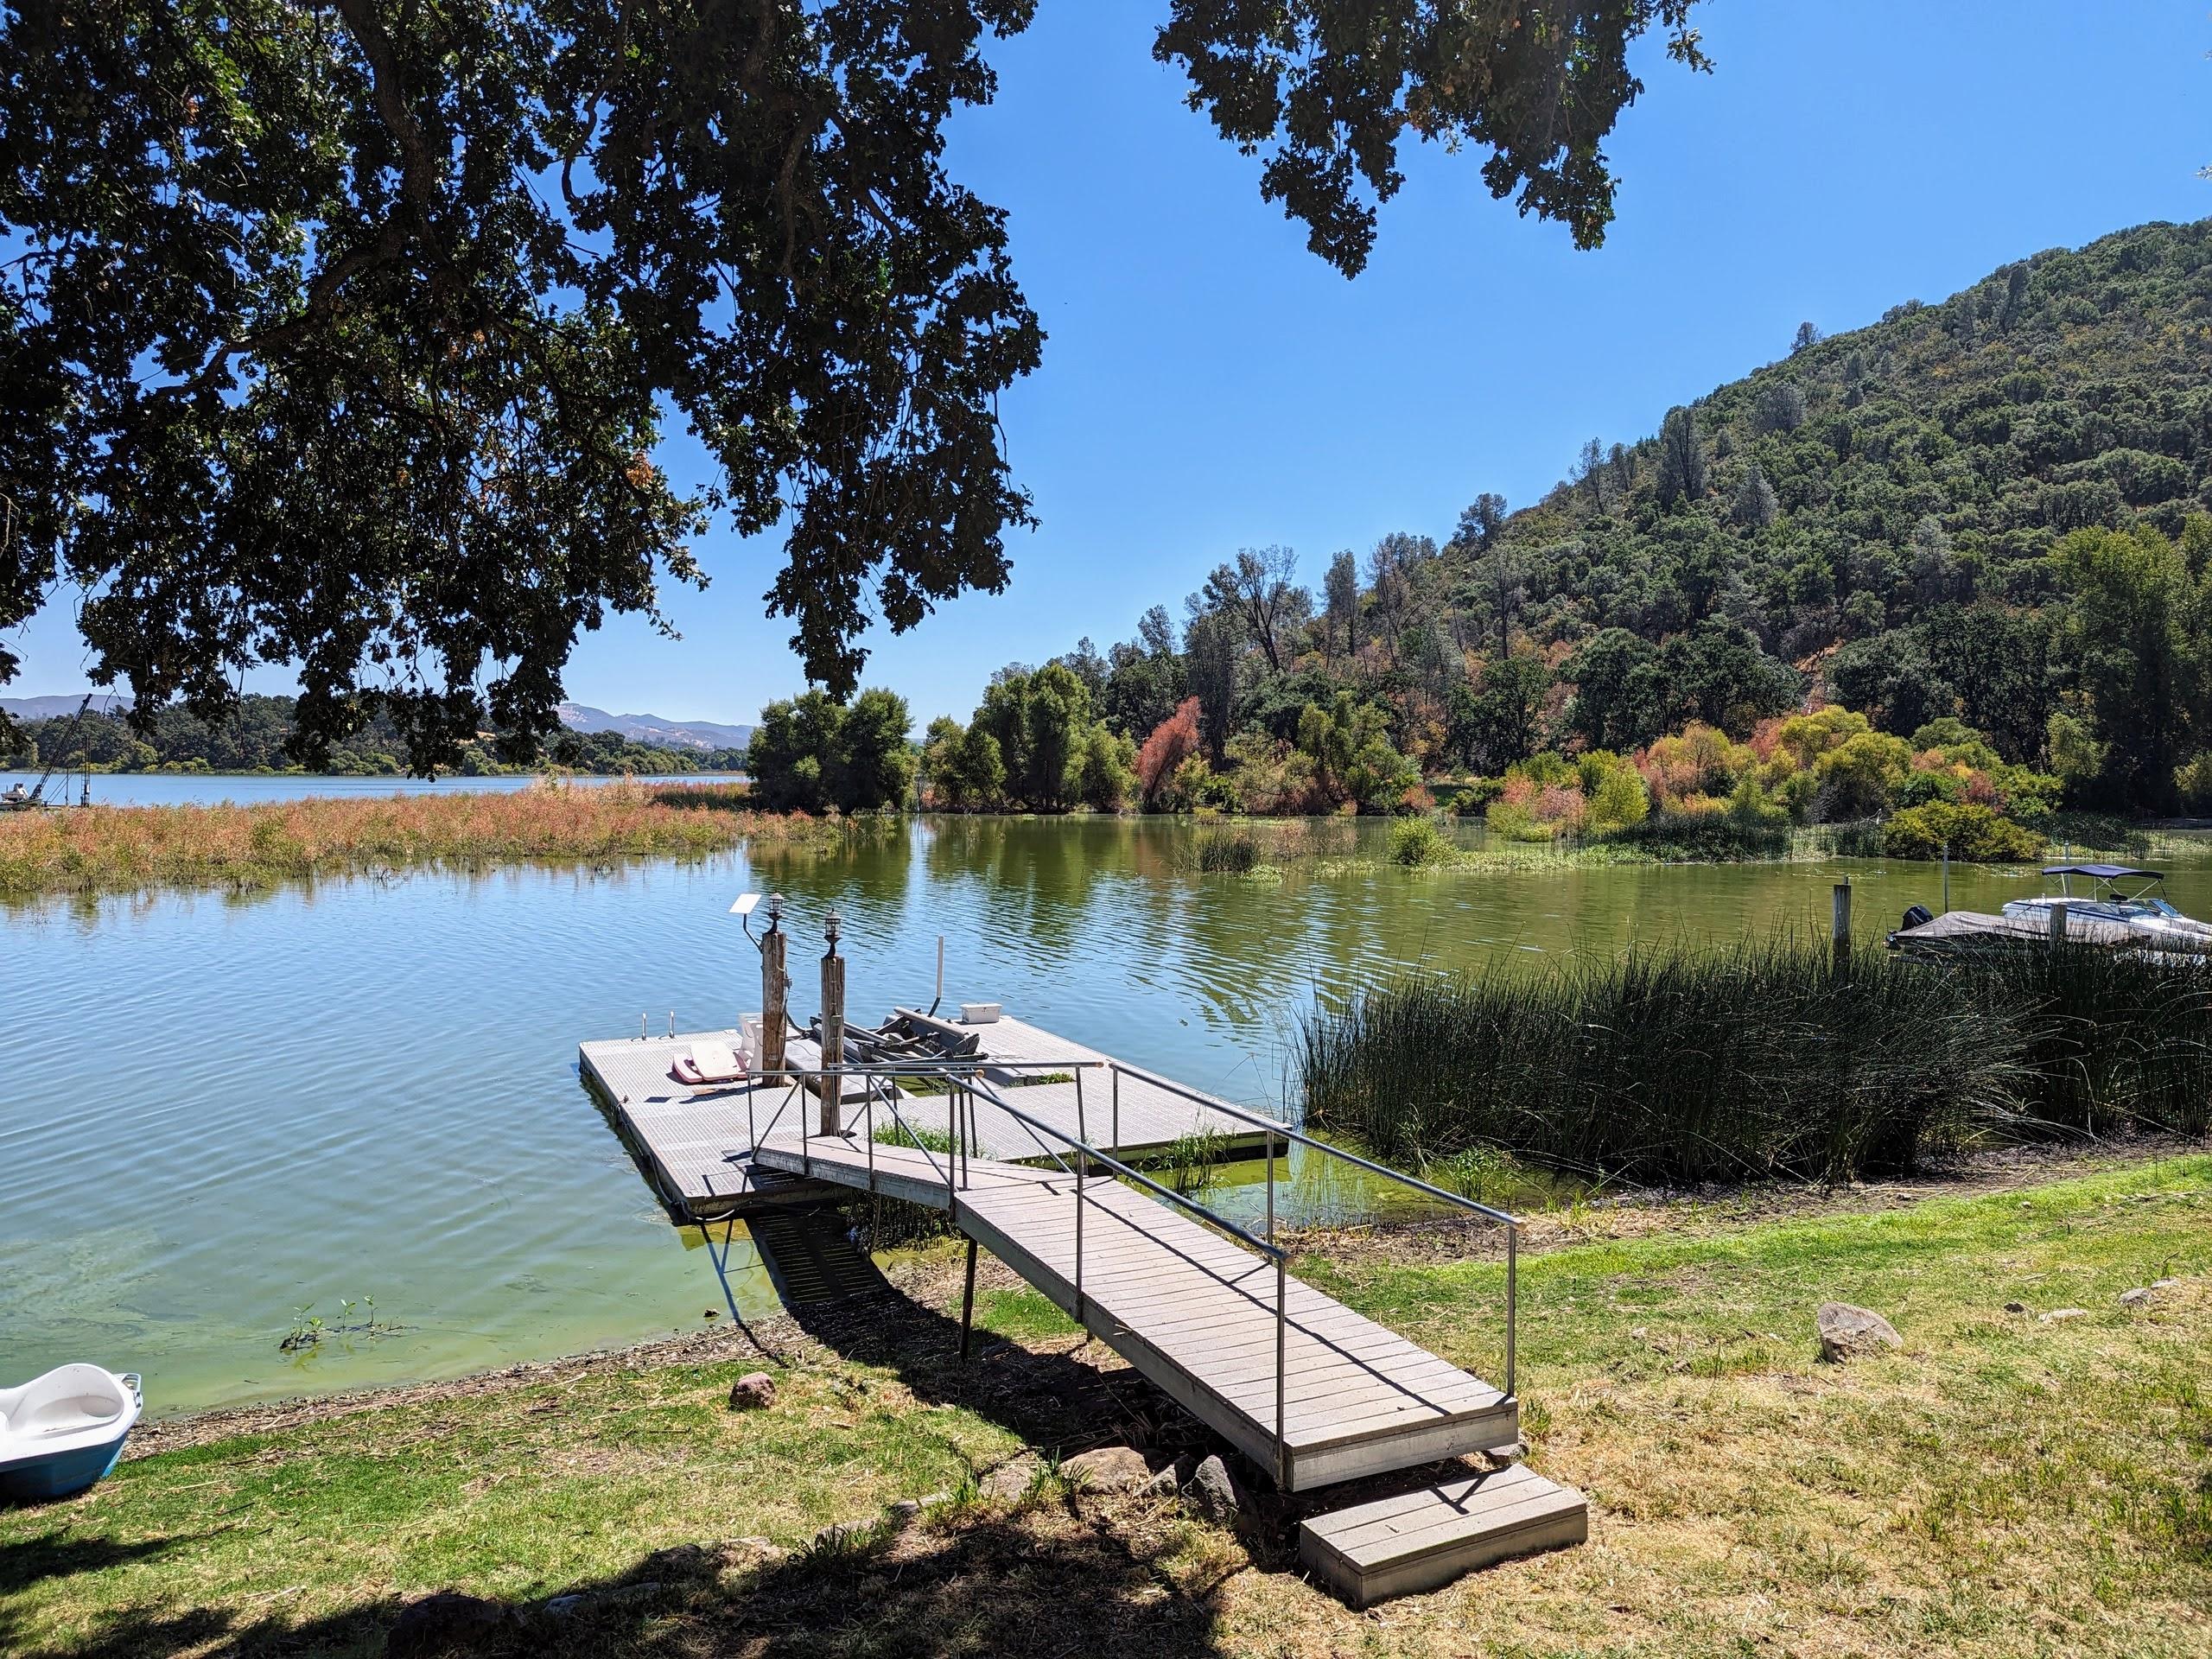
1028 1146
696 1144
1971 933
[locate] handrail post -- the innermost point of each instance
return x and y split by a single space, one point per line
1512 1297
1271 1185
1113 1075
832 1082
868 1116
1081 1163
1282 1443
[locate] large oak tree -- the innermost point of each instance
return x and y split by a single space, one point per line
343 334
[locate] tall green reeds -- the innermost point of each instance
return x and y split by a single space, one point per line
1227 852
2113 1038
1759 1059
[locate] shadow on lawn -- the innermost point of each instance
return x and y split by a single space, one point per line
975 1583
57 1554
1048 1397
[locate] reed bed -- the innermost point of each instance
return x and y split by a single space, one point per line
129 848
1760 1060
1260 846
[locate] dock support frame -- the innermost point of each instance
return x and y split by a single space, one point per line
967 1302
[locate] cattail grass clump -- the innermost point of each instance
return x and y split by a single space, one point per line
128 849
1655 1066
1762 1059
2115 1040
1227 852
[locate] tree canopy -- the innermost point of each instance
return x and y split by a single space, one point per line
342 336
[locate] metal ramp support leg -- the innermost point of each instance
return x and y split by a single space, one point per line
967 1302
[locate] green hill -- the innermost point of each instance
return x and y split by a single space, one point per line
1994 512
1879 508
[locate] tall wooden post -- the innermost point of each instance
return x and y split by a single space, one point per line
2058 922
832 1082
1839 929
775 990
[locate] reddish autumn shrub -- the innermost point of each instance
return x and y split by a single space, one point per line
1173 742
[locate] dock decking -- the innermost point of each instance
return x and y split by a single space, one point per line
695 1146
1196 1314
1963 932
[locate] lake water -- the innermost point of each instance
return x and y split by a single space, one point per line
215 1112
209 788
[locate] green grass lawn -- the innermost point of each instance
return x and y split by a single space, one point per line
2005 1485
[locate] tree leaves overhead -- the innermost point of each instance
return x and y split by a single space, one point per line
1327 89
343 335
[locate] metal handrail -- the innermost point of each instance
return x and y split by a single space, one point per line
1274 1127
966 1084
1266 1247
1273 1251
1290 1134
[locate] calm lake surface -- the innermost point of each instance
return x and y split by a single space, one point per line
215 1112
210 788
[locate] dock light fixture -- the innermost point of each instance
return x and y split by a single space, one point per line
748 902
831 929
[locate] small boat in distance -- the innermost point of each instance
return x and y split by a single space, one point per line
2127 897
62 1431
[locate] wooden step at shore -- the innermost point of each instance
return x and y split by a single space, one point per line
1420 1539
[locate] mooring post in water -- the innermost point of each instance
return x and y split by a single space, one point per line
968 1300
1840 927
833 1032
1947 878
775 990
2058 921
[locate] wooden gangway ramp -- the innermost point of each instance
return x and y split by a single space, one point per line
1194 1312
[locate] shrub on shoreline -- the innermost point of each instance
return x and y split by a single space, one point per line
1417 843
1971 832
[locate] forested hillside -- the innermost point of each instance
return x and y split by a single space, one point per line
255 740
1989 512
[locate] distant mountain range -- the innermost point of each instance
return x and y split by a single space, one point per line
576 716
62 708
655 728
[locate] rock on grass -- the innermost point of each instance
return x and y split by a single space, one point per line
1848 1332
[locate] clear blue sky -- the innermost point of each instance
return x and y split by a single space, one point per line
1208 383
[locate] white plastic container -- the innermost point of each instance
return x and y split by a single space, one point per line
980 1013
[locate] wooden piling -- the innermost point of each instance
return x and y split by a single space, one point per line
2058 921
1840 927
775 1004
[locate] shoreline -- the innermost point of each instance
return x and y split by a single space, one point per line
930 1274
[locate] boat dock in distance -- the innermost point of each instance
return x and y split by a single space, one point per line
1031 1143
